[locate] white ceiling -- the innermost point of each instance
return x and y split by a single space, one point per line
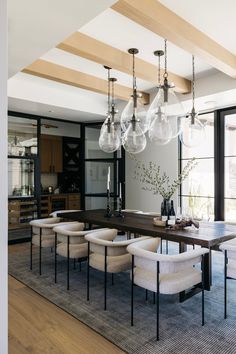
216 18
37 26
40 96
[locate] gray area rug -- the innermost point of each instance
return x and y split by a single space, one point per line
180 324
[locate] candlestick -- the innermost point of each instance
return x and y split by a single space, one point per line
120 214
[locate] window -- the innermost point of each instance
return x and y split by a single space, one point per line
197 191
230 167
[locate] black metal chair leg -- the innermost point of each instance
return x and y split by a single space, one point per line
68 262
132 292
31 248
40 251
105 279
154 298
146 296
161 246
158 302
203 287
55 259
225 284
167 247
88 272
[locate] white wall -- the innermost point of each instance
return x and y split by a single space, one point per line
167 157
3 185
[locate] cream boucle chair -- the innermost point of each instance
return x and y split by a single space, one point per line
107 256
229 249
54 213
43 236
72 244
165 274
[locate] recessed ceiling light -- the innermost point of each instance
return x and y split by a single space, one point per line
50 111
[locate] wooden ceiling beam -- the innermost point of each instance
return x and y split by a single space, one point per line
99 52
154 16
64 75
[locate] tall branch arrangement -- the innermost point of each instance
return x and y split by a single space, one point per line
149 174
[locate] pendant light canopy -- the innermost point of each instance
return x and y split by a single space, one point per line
165 113
109 140
134 119
193 131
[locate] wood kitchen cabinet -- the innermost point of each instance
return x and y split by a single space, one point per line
51 154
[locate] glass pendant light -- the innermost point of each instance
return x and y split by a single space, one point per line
165 113
134 139
109 139
193 131
141 113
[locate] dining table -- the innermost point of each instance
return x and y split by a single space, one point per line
209 234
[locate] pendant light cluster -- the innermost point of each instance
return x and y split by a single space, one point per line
164 120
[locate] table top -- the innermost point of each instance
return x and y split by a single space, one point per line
208 235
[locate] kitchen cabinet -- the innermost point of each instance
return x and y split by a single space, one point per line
51 154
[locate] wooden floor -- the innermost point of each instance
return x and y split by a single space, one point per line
38 326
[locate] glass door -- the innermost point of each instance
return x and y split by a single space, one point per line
97 164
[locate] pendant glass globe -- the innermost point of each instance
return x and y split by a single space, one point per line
134 140
109 140
140 114
192 133
172 109
116 125
160 131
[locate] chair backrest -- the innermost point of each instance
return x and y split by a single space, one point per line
46 225
146 257
74 230
99 240
54 213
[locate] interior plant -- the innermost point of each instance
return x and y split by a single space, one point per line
158 182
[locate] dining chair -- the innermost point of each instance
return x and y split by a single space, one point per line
164 274
71 244
54 213
229 249
42 235
107 255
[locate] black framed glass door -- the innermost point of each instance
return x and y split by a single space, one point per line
96 168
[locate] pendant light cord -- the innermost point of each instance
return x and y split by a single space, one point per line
165 51
108 93
193 81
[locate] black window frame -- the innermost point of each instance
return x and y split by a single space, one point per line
219 161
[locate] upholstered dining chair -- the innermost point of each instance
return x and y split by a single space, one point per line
70 243
107 255
229 249
164 274
54 213
42 235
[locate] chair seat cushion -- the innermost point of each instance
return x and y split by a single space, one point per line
231 269
115 264
47 240
170 283
75 250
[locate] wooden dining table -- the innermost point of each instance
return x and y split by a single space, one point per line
209 234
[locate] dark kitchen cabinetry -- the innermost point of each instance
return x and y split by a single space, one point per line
70 179
51 154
